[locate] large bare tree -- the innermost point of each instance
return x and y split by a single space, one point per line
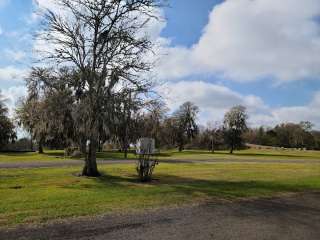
104 41
235 124
185 123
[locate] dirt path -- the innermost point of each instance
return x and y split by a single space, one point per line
67 163
285 218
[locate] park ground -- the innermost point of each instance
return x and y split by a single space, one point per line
41 197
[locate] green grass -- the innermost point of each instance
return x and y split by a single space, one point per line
52 155
55 155
242 154
114 155
40 195
58 155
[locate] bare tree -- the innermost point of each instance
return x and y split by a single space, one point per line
127 105
185 123
214 130
153 119
235 124
103 41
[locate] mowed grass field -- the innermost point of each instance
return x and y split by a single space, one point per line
248 154
55 155
45 194
58 155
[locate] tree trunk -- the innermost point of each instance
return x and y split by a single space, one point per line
212 146
40 147
99 146
90 169
125 147
232 142
232 145
180 148
125 152
83 147
31 142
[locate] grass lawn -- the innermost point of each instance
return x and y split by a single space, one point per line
40 195
58 155
242 154
54 155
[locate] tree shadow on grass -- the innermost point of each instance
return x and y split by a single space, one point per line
225 189
190 187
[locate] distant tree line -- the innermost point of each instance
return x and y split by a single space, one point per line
287 135
50 120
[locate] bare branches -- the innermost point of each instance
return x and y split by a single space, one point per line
103 43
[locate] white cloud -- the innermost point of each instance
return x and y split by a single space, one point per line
51 4
43 5
12 95
213 100
1 31
14 55
12 74
247 40
310 112
204 94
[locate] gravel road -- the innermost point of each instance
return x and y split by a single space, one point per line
292 217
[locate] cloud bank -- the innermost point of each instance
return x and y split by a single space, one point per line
248 40
269 41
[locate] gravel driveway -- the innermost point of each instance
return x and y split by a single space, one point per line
286 218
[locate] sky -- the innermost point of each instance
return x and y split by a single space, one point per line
263 54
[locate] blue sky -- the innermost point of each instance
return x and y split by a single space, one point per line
186 21
217 54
